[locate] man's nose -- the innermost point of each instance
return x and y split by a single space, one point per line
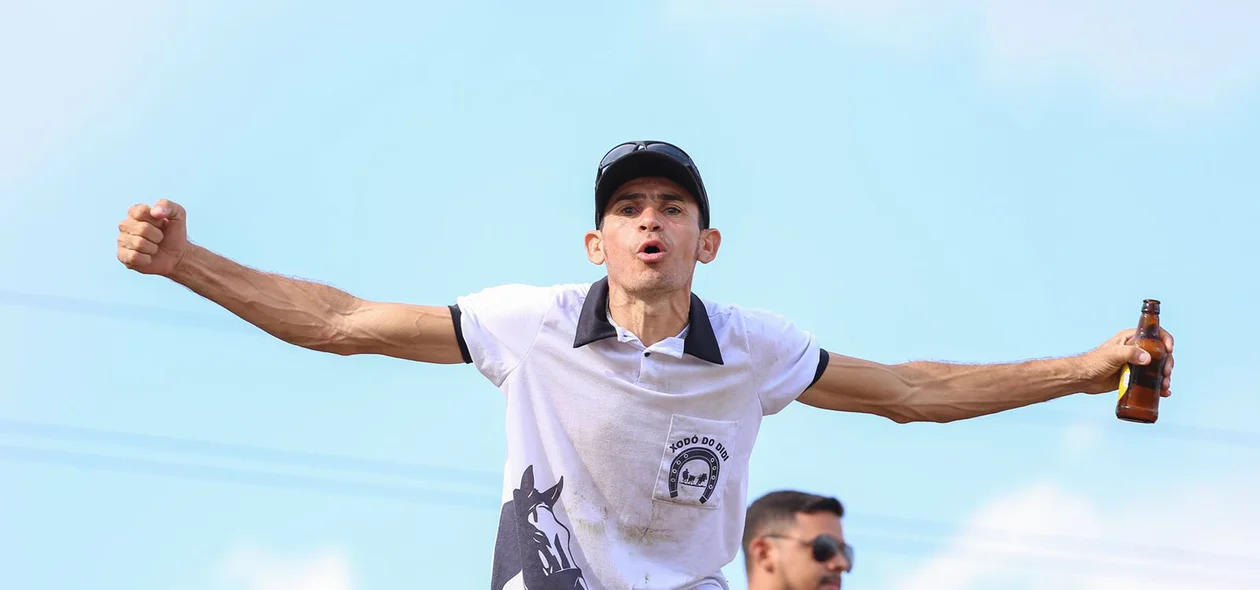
648 221
839 564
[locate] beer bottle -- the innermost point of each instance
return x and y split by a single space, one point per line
1140 384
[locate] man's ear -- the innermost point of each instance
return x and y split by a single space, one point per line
710 241
761 554
595 246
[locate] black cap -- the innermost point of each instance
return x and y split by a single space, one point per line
638 159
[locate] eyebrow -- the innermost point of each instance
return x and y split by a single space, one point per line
642 196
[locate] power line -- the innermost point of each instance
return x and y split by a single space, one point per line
126 311
1164 430
479 500
253 453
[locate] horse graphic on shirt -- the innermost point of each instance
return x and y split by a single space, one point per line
533 542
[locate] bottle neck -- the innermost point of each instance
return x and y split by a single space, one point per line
1148 325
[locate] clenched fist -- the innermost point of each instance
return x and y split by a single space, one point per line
153 240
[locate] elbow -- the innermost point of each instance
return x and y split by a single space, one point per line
904 411
912 415
338 337
903 417
334 334
899 418
925 409
935 414
330 341
920 402
906 405
902 393
332 348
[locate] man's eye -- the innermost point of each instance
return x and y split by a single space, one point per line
627 210
673 210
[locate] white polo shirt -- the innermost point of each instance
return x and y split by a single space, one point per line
626 466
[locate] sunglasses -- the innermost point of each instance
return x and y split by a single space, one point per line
662 147
825 548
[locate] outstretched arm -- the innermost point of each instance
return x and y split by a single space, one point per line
317 316
945 392
153 240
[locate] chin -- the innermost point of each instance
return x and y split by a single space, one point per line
652 281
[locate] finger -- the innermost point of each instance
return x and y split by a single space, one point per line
1167 383
1168 339
141 212
137 243
133 259
143 229
171 210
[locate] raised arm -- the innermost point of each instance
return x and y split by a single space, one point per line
945 392
154 240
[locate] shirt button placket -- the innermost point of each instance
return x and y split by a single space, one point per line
649 369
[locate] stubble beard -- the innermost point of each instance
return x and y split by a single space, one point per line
653 282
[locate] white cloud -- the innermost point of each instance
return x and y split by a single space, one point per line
1149 54
1047 537
251 568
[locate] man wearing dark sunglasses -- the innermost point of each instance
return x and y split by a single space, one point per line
632 403
794 541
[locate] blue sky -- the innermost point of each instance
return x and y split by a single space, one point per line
985 182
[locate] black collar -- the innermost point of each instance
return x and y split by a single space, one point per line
593 325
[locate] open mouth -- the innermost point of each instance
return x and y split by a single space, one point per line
651 251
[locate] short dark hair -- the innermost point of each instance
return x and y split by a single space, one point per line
777 510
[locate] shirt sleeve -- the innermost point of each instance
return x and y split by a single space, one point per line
496 327
786 359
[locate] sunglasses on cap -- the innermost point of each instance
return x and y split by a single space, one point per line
628 147
825 548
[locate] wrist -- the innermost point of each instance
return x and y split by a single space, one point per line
1077 373
185 268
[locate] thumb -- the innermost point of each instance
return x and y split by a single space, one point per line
168 210
1137 356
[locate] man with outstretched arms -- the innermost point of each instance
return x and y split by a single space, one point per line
632 403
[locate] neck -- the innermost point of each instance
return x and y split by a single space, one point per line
652 318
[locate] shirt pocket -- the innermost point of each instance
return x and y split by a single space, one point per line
696 456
